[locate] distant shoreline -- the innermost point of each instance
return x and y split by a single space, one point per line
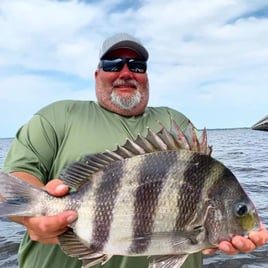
209 129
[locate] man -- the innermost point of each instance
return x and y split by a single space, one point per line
63 131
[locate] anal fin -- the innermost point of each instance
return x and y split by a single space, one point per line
167 261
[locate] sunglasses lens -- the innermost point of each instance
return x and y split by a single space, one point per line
137 66
112 65
116 65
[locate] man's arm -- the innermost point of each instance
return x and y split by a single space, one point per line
46 229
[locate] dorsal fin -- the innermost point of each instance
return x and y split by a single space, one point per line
165 140
81 171
77 173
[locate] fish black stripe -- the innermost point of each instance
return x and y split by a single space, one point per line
226 177
152 176
106 195
190 193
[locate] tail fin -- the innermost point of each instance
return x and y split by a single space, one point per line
19 198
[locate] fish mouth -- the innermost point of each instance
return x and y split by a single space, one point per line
251 222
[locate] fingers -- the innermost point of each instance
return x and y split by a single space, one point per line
56 187
259 238
239 244
231 248
46 229
243 244
227 248
209 251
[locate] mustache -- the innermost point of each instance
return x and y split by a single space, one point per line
122 82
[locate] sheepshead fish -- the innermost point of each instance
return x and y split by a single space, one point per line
162 196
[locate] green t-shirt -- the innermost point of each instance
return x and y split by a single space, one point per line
61 133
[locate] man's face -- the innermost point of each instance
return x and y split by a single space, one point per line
124 92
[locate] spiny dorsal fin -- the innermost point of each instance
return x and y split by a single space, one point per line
81 171
189 140
165 140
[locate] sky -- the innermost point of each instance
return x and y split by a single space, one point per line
208 59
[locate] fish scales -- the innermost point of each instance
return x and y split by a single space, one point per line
105 201
167 209
156 169
174 202
149 177
136 201
95 218
152 176
148 208
123 210
190 196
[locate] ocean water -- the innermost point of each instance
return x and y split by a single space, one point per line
10 233
244 151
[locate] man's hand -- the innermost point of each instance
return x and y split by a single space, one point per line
46 229
241 244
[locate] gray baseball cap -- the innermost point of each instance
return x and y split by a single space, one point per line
123 40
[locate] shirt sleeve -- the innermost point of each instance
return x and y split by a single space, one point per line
33 149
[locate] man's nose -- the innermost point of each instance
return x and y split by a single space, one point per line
125 72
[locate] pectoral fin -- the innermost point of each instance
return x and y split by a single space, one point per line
72 246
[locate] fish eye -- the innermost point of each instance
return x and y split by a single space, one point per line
241 209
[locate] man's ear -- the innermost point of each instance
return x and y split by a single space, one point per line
96 73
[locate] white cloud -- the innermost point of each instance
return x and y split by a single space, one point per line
208 59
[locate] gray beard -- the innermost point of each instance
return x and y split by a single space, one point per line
126 103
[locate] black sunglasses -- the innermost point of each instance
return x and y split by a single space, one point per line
116 65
